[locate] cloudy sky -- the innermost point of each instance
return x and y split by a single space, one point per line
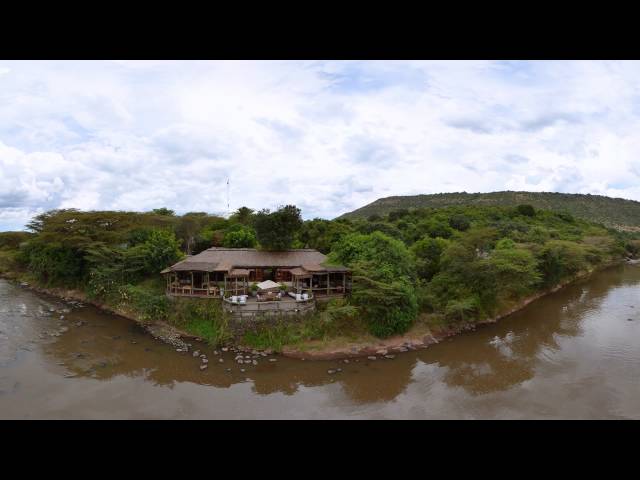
328 136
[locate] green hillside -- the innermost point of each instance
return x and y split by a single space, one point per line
614 212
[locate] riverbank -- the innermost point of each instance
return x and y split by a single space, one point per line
420 336
159 330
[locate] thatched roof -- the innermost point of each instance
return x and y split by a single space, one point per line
218 259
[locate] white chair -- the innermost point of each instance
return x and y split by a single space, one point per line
243 300
298 297
305 296
234 299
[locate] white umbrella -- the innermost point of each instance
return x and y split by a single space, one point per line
268 285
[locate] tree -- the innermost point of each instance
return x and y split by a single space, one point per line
559 259
436 227
243 215
383 280
163 211
515 269
321 234
397 214
459 222
427 253
390 256
244 237
162 249
277 230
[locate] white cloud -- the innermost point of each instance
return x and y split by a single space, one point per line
327 136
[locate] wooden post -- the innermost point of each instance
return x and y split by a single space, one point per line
225 284
327 283
344 283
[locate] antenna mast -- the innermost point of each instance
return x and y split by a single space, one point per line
228 210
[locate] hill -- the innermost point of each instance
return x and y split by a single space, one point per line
614 212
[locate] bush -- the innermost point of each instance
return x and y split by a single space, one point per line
150 306
53 263
388 308
526 210
204 318
559 259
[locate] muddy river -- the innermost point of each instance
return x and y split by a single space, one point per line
573 354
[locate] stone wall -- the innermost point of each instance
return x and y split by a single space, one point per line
243 321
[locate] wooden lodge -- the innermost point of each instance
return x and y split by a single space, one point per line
225 272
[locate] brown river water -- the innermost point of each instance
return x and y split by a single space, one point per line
572 354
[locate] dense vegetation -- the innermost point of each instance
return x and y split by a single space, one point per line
441 266
614 212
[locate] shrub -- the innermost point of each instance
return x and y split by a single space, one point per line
204 318
526 210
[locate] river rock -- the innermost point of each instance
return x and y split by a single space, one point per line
225 349
204 366
346 360
220 360
389 356
196 353
202 355
64 329
268 351
133 342
331 371
242 370
205 361
371 357
382 351
240 361
215 352
273 359
61 317
178 350
255 362
338 369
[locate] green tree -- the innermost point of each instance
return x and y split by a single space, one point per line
243 215
277 230
163 211
427 253
383 280
459 222
240 238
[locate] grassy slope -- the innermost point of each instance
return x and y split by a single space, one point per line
615 212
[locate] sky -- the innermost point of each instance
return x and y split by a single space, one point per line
327 136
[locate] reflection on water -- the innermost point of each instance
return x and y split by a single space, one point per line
573 354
